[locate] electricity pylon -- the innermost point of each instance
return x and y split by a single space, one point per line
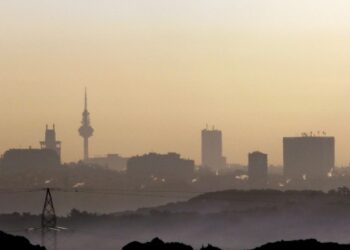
48 223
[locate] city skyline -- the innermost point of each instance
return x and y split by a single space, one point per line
158 72
207 124
85 151
212 139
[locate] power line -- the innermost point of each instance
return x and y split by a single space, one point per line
119 192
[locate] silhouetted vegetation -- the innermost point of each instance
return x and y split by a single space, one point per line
303 244
11 242
158 244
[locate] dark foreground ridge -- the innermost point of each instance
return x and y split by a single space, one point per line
303 244
158 244
10 242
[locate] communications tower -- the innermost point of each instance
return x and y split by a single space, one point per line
86 130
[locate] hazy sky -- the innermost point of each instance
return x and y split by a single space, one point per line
158 71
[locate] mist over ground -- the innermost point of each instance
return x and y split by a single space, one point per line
229 219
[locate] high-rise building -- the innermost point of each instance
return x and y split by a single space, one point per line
308 156
86 130
50 141
257 169
212 149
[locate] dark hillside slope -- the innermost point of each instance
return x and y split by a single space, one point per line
11 242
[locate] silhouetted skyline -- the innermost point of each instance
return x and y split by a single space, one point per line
158 71
272 76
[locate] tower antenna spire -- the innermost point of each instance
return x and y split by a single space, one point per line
85 106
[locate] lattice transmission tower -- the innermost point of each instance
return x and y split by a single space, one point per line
48 223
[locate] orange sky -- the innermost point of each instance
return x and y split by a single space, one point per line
157 71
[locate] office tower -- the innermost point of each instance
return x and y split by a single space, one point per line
308 156
212 149
86 130
50 141
257 169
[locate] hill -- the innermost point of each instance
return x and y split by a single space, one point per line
10 242
303 244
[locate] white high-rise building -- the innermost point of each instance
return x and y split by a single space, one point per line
212 149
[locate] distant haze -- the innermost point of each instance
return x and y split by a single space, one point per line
157 71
